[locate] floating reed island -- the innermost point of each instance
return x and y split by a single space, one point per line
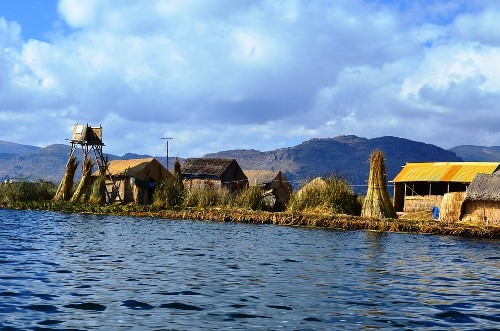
418 223
322 203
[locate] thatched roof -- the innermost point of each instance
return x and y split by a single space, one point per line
461 172
212 167
261 177
137 168
316 183
484 188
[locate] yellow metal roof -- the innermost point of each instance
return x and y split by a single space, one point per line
461 172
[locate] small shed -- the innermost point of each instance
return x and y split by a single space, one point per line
135 180
274 181
482 199
420 186
214 173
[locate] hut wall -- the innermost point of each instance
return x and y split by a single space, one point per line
482 212
421 203
121 184
127 190
234 178
202 183
282 189
140 195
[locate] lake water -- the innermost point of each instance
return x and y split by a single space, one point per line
81 272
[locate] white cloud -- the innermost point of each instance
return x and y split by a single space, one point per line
256 74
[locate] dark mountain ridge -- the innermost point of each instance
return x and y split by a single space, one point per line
478 153
347 156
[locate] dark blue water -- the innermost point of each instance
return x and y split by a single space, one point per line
81 272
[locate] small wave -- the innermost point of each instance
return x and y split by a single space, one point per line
84 286
136 305
45 296
454 317
49 322
238 306
242 315
62 271
493 258
42 308
290 260
180 293
280 307
181 306
312 319
87 306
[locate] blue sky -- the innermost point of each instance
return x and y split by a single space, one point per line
223 74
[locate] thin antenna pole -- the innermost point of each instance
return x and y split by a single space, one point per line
166 146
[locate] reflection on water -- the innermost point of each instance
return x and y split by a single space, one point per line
80 272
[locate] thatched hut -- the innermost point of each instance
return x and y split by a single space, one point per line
317 183
421 186
271 180
214 173
134 180
482 199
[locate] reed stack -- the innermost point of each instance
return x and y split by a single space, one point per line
98 190
82 192
63 192
377 203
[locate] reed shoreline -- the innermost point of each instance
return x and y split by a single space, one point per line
403 224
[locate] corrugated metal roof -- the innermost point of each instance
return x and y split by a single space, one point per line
461 172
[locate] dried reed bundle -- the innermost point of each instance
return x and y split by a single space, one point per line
451 207
64 190
98 191
82 192
377 202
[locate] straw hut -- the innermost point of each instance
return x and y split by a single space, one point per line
213 173
273 181
134 179
317 183
482 199
422 186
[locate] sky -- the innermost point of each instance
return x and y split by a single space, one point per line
249 74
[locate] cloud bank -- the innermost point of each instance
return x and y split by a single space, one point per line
218 75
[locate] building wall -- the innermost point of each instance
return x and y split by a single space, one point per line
421 203
483 212
190 184
234 178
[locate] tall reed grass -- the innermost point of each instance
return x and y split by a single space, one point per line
24 190
335 196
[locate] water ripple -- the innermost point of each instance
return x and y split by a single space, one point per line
85 272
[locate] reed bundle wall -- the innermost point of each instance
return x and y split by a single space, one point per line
451 206
191 184
483 212
421 203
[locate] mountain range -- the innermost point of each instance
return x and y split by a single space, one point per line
345 156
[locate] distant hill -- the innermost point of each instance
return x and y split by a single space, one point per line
48 163
347 156
13 148
477 153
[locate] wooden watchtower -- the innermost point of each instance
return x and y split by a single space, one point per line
90 140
